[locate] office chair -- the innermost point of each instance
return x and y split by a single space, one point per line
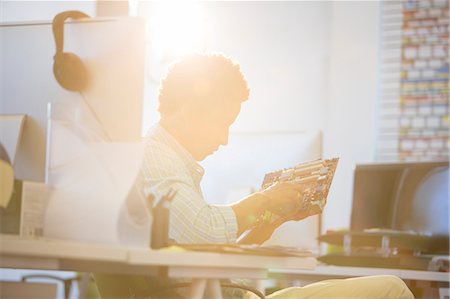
84 280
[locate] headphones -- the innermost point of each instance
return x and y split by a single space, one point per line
68 68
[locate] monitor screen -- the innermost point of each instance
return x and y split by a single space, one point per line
410 197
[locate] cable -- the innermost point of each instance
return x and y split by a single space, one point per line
97 119
243 287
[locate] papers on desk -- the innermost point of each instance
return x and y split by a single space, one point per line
245 249
89 181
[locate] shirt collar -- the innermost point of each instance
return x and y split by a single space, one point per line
194 167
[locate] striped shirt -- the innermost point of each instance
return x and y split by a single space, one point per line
192 220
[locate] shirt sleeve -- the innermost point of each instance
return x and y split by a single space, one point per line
192 219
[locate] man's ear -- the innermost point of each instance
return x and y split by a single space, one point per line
184 114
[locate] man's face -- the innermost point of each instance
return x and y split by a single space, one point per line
209 128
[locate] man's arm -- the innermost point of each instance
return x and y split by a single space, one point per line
263 231
282 199
192 220
260 233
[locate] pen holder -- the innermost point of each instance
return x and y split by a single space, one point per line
161 221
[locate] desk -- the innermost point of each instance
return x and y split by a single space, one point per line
48 254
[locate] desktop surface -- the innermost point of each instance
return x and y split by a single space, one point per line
52 254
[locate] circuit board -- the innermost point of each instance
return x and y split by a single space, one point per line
316 176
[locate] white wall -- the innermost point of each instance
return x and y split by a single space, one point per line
283 49
351 102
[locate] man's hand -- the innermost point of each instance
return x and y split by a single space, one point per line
285 201
261 233
281 199
302 214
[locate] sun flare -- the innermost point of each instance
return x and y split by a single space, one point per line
177 28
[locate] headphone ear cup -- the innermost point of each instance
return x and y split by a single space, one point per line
70 72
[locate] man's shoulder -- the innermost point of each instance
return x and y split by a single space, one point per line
159 153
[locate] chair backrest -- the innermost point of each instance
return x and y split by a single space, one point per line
19 289
11 127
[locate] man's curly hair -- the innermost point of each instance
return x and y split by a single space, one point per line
204 79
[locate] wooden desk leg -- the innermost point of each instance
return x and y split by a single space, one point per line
197 289
213 289
83 285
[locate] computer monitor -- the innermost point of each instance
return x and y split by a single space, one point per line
410 197
113 51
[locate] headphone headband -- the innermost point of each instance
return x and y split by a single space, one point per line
68 68
58 27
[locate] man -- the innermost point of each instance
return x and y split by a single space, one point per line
196 113
200 98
